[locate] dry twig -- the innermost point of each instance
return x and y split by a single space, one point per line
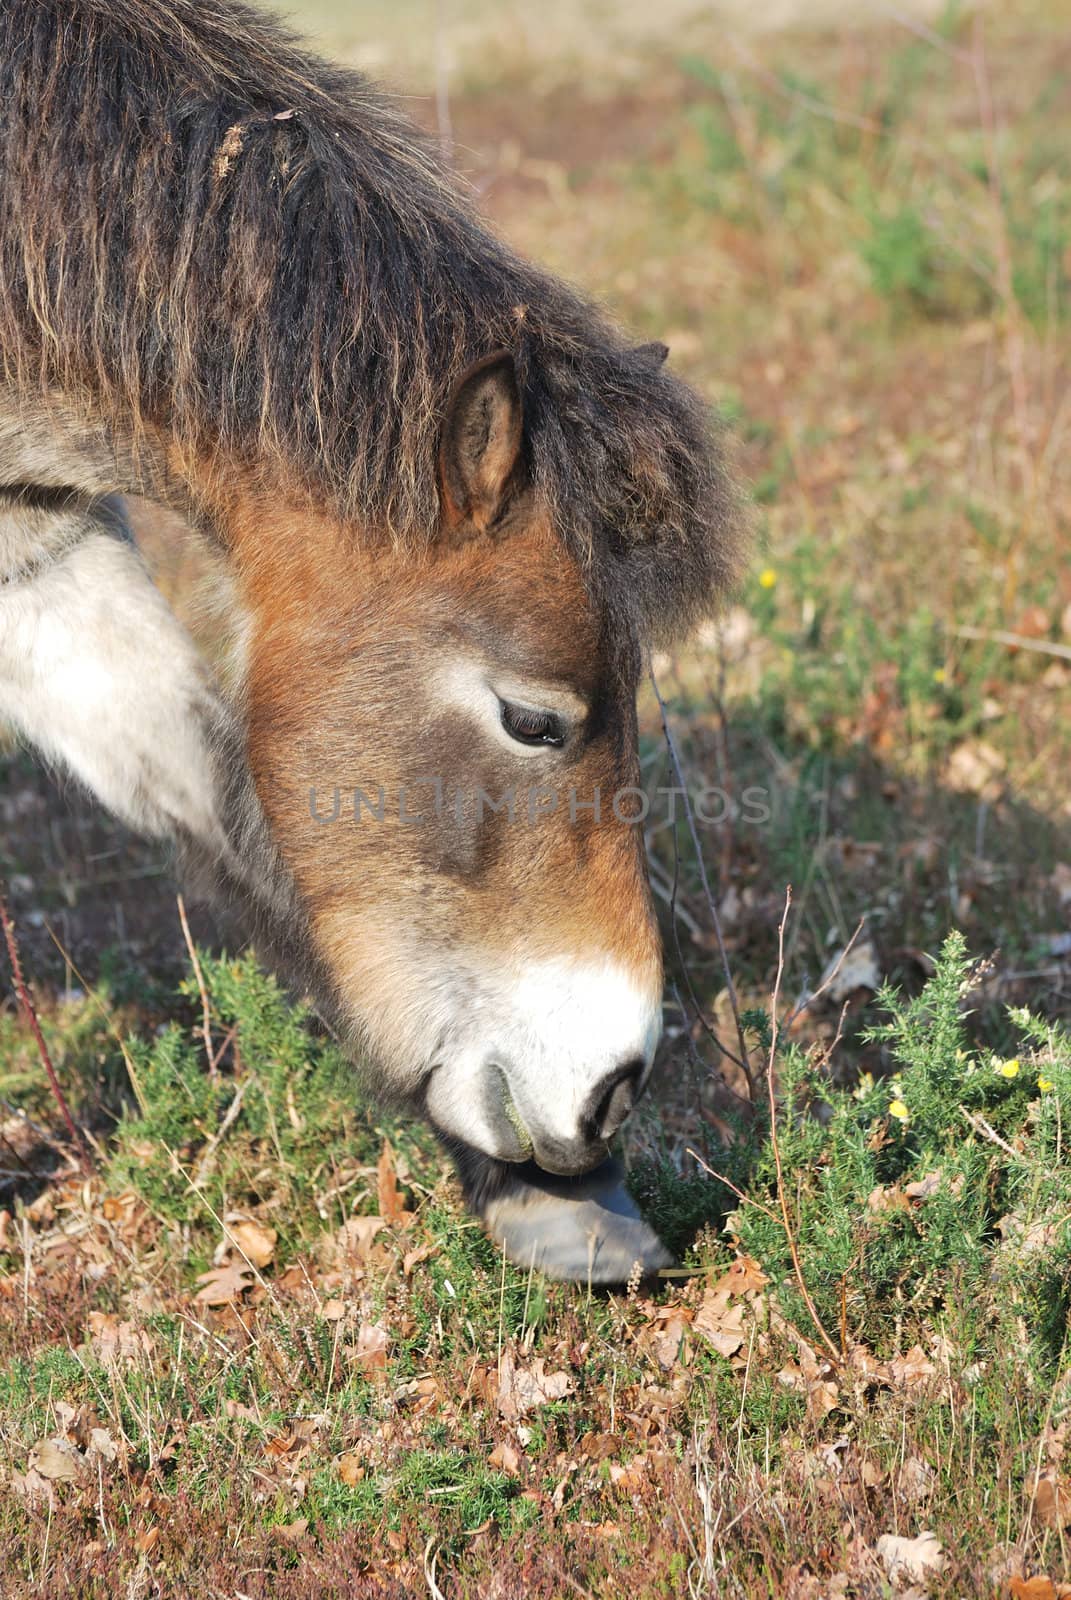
206 1014
775 1144
30 1013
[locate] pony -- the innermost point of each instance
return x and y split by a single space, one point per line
455 507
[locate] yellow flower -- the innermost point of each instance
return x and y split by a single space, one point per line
1008 1069
1044 1084
940 675
864 1086
767 578
898 1110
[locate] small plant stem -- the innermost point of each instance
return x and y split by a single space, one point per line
674 756
206 1014
745 1199
808 1000
775 1143
30 1013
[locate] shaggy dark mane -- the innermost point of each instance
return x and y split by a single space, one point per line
222 238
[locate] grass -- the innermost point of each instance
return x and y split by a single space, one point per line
301 1354
331 1396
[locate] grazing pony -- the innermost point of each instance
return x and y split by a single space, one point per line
455 508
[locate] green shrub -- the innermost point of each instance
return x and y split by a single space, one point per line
939 1194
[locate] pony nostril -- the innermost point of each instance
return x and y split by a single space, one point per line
612 1100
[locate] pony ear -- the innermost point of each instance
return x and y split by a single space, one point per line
481 441
653 354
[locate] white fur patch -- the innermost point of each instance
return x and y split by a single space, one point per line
558 1030
97 674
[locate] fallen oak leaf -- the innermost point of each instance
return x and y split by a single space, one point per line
506 1459
59 1461
254 1242
720 1322
523 1389
116 1342
353 1241
102 1444
745 1276
222 1285
911 1370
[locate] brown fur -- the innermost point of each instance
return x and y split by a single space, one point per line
235 278
228 245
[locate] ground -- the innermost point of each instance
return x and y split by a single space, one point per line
257 1347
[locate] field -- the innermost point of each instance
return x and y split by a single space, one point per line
253 1345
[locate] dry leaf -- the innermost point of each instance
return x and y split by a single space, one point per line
859 969
102 1444
350 1468
506 1459
412 1258
371 1351
291 1532
59 1461
522 1389
223 1284
354 1239
907 1372
916 1480
147 1541
976 768
744 1277
667 1342
253 1241
391 1208
720 1322
1052 1501
909 1561
924 1187
115 1342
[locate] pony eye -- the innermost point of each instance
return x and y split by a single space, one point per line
533 727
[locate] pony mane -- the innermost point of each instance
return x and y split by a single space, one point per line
230 242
